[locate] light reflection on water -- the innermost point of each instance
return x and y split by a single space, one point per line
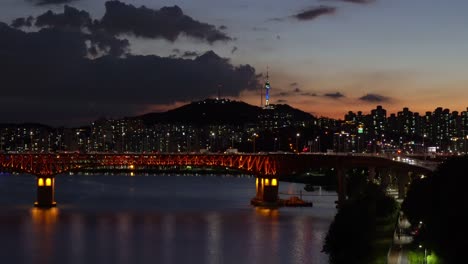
116 219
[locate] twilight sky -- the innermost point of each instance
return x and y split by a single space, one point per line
93 59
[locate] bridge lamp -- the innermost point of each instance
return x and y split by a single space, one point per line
274 182
131 166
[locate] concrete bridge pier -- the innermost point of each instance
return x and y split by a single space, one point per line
45 192
371 174
385 178
403 181
267 190
341 175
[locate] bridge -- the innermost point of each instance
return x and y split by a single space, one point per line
268 168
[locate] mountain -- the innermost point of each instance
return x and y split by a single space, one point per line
222 111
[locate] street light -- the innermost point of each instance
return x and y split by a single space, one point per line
297 142
317 139
274 144
465 143
425 254
253 141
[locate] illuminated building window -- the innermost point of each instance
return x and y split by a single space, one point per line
267 182
48 182
40 182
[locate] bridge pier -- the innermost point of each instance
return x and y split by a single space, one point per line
403 180
45 192
371 174
341 175
267 190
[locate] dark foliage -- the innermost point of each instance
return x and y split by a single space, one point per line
440 202
349 239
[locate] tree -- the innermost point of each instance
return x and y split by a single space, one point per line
440 202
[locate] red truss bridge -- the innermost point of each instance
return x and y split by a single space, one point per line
268 168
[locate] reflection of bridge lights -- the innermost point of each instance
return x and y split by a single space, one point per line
267 212
44 217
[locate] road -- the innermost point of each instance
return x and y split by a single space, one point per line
397 254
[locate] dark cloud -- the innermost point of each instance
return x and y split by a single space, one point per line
353 1
70 18
50 78
222 27
234 49
190 54
336 95
309 94
276 19
281 101
22 22
168 23
297 90
293 84
176 50
374 98
51 2
278 37
315 12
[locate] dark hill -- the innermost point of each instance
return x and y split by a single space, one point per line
214 112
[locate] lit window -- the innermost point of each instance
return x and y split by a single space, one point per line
267 182
48 182
40 182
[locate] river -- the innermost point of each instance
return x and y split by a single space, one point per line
159 219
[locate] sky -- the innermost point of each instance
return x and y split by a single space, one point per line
96 58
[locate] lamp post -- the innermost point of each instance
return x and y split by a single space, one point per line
274 144
425 254
424 147
318 143
253 141
466 137
297 142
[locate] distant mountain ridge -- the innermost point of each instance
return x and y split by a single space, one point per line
220 111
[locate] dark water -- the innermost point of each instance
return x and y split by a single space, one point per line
157 219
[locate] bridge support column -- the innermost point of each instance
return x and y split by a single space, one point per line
341 175
403 181
45 192
371 174
267 190
385 178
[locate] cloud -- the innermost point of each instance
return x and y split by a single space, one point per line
22 22
51 78
336 95
297 90
222 27
315 12
167 23
309 94
189 54
293 84
353 1
70 18
374 98
51 2
281 101
234 49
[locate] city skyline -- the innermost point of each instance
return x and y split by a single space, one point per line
324 57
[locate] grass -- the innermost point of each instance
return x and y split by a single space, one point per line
417 256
